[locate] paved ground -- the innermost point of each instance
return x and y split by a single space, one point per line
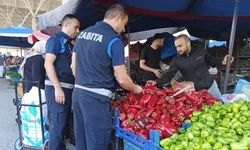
8 125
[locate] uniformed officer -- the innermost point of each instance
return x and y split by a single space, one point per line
98 62
60 80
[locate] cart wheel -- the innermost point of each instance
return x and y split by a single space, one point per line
18 145
46 145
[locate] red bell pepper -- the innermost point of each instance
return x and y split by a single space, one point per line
156 115
171 108
161 107
168 129
170 100
153 100
179 105
161 100
165 118
182 98
188 113
161 92
131 113
144 99
149 111
122 116
210 102
136 107
169 91
150 126
132 99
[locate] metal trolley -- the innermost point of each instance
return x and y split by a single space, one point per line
19 145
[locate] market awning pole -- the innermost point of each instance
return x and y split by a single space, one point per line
231 42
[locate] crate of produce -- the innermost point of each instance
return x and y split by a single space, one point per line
135 142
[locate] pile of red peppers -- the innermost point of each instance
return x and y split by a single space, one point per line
155 109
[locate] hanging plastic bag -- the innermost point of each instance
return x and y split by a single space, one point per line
242 87
229 98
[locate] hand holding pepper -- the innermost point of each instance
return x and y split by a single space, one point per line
138 89
150 83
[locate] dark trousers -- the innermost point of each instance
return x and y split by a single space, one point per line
92 120
58 117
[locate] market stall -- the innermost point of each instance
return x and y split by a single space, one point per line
156 109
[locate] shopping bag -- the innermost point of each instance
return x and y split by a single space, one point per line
229 98
242 87
31 118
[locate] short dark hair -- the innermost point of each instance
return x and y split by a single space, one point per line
68 17
182 36
158 36
115 10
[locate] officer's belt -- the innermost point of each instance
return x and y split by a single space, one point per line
100 91
63 84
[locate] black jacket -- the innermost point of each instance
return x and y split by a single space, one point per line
34 71
193 67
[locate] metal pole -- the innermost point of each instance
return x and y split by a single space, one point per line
231 42
18 109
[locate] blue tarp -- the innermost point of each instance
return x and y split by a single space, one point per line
15 36
209 19
18 31
217 43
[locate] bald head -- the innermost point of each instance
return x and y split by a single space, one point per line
117 17
182 44
114 11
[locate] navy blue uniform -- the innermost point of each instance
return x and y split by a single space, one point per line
59 45
98 49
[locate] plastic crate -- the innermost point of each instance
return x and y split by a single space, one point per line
135 142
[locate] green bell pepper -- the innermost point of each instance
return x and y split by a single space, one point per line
165 142
235 107
190 136
195 146
243 107
224 140
206 146
245 113
239 130
217 146
230 115
225 147
205 108
184 143
238 146
226 122
181 130
204 133
196 114
210 118
236 124
211 140
242 119
196 133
